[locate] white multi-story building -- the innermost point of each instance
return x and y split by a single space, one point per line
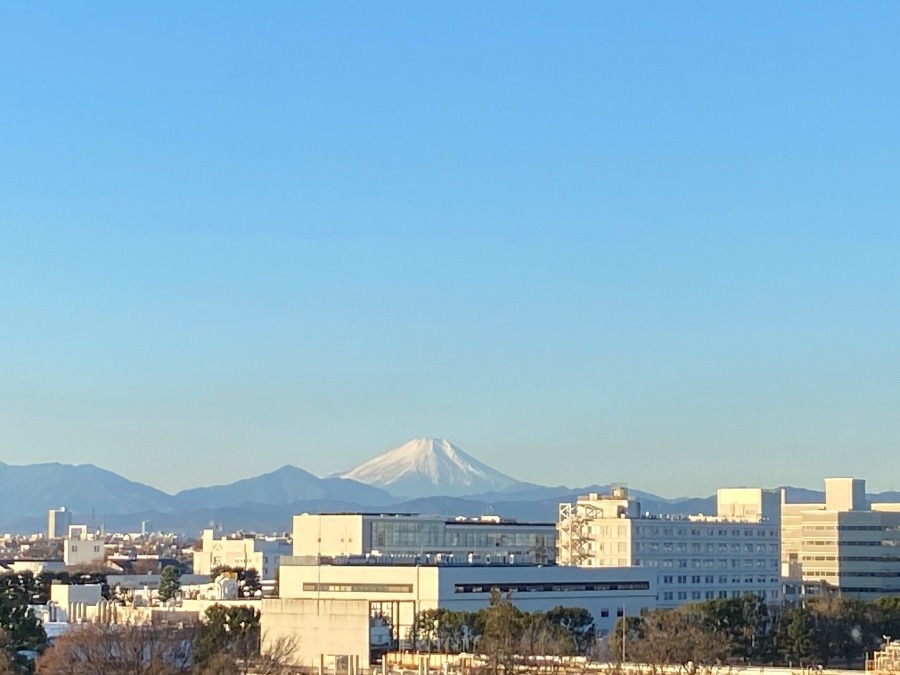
329 608
484 539
262 554
695 558
81 548
843 544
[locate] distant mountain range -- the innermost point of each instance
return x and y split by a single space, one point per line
425 475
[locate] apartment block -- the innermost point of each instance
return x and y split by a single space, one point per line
695 558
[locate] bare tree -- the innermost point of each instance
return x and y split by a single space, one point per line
100 649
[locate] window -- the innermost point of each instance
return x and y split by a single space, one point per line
604 613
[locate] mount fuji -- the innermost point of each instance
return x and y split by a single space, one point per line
425 467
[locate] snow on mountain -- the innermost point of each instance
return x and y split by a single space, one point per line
426 467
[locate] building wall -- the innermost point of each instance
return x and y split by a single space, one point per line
390 534
695 558
78 552
845 543
58 521
63 594
261 554
330 535
314 627
411 588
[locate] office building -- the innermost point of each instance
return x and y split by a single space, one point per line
694 558
483 539
58 521
336 608
843 545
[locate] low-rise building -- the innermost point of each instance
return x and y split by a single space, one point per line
343 607
261 553
81 548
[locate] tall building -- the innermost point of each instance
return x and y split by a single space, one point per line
483 539
695 557
58 521
843 544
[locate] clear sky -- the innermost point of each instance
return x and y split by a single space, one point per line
653 243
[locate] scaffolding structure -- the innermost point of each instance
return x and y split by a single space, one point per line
887 660
576 538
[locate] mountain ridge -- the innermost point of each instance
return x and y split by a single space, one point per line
425 467
268 500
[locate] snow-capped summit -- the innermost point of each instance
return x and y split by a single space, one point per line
424 467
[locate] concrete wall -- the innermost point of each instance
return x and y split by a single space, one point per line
336 627
63 594
332 535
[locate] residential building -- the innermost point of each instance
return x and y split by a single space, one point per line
58 521
483 539
844 544
261 553
694 558
81 548
336 608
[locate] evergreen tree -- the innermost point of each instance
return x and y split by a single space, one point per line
169 583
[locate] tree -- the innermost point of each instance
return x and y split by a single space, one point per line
23 630
577 624
251 583
230 631
247 578
100 649
795 637
502 633
743 622
169 583
889 609
676 637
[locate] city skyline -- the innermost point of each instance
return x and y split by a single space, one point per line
655 245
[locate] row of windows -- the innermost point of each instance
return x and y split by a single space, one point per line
561 587
655 531
711 579
843 543
722 563
357 588
696 547
843 528
436 534
709 595
852 558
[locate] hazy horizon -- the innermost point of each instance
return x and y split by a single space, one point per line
587 243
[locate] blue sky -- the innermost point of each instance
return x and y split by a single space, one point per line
651 243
